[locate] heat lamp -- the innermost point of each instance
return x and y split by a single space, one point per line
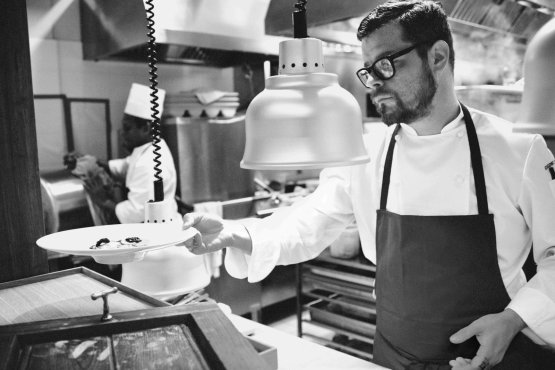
303 119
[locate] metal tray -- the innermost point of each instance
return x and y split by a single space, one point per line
319 313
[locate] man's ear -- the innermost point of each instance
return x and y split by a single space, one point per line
438 55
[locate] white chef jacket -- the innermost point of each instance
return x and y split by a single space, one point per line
138 171
430 175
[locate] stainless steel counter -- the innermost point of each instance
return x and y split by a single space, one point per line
299 354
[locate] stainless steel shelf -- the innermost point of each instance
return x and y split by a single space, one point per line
340 298
357 262
341 321
342 347
366 307
339 286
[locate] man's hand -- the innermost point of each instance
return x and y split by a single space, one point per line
99 193
215 234
494 333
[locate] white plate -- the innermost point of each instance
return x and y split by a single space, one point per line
79 241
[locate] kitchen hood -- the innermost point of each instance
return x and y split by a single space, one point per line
338 22
218 33
224 33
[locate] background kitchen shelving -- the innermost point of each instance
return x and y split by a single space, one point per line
338 295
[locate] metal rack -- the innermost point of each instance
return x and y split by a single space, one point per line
338 295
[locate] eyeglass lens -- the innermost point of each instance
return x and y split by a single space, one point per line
383 69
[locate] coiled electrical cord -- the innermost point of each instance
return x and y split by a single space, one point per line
299 20
155 129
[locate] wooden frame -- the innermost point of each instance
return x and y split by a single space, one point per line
211 337
65 294
89 273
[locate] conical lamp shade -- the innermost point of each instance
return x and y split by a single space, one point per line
303 120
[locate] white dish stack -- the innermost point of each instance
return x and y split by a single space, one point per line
201 103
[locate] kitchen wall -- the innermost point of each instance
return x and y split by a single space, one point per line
58 68
483 57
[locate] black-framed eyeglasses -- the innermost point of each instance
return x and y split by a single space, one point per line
383 68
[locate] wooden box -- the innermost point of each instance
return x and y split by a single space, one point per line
50 322
196 336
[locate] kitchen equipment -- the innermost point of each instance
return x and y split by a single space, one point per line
151 237
182 104
321 311
219 33
339 296
303 119
207 153
64 201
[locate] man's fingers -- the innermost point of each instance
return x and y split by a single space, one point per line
464 334
460 363
195 245
191 219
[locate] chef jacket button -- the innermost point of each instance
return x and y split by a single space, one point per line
397 137
460 134
459 179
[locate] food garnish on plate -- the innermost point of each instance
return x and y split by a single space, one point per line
106 243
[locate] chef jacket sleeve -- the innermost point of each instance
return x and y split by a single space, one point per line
118 168
535 301
299 232
140 186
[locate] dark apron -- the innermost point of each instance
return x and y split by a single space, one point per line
435 275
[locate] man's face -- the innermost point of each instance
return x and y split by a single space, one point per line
408 95
133 135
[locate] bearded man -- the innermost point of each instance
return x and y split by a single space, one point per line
447 209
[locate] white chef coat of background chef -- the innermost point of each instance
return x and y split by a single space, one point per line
170 271
138 171
431 175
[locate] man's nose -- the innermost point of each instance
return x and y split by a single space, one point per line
374 82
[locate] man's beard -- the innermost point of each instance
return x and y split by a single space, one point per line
408 113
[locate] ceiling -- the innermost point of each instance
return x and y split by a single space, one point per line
221 33
328 19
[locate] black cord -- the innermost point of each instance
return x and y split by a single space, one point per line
155 127
299 20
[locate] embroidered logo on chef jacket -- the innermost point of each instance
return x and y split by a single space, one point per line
549 168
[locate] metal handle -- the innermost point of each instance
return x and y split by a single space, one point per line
106 316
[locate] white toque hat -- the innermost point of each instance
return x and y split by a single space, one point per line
139 101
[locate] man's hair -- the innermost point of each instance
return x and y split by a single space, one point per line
420 21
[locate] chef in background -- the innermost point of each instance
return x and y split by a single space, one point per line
136 171
448 209
166 273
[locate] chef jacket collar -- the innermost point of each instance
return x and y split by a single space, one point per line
457 122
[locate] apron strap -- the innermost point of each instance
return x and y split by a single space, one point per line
387 168
475 159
